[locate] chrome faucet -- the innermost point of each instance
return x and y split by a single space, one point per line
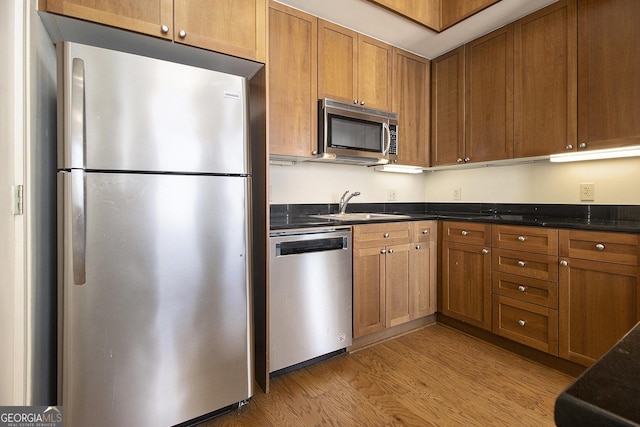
344 200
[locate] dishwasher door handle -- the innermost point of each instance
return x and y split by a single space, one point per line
296 247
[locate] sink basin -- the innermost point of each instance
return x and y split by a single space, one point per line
361 216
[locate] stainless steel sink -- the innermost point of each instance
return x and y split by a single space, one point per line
361 216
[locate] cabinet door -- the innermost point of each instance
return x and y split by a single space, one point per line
545 81
398 301
143 16
447 108
292 82
235 27
489 97
411 102
422 278
466 283
337 53
599 303
608 66
375 64
368 290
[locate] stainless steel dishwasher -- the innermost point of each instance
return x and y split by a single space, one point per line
310 295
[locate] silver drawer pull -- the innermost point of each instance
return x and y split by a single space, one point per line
390 251
522 263
417 246
485 251
521 322
425 231
522 288
522 238
383 251
564 263
600 247
465 233
385 235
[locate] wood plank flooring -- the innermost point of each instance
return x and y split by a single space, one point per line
432 377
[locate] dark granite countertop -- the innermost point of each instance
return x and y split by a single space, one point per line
606 394
617 218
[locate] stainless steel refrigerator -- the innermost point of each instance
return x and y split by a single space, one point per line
153 186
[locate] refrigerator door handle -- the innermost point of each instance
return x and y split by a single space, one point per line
77 115
78 225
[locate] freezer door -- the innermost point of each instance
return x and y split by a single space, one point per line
132 113
159 332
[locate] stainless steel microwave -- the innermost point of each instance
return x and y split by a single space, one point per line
350 133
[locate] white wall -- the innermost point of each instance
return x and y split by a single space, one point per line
616 182
12 292
325 183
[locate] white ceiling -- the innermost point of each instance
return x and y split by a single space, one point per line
376 22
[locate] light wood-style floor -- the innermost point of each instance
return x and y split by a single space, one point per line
432 377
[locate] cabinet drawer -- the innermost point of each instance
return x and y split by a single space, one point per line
531 239
388 233
536 266
423 231
472 233
526 323
618 248
525 289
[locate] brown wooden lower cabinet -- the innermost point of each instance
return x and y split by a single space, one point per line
466 283
599 304
526 323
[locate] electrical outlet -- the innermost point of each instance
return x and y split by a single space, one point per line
392 194
587 192
457 193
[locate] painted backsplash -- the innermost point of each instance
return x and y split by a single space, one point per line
616 182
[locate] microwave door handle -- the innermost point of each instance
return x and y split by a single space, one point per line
387 132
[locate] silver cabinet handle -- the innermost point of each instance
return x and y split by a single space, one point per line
569 147
600 247
164 29
390 251
522 288
418 247
355 101
182 34
564 263
425 231
522 263
582 145
459 160
522 238
465 233
385 235
521 322
467 159
361 102
78 226
383 251
485 251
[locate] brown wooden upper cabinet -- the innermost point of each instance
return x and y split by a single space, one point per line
437 15
608 67
489 97
545 81
235 27
472 101
353 67
411 102
447 108
292 80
